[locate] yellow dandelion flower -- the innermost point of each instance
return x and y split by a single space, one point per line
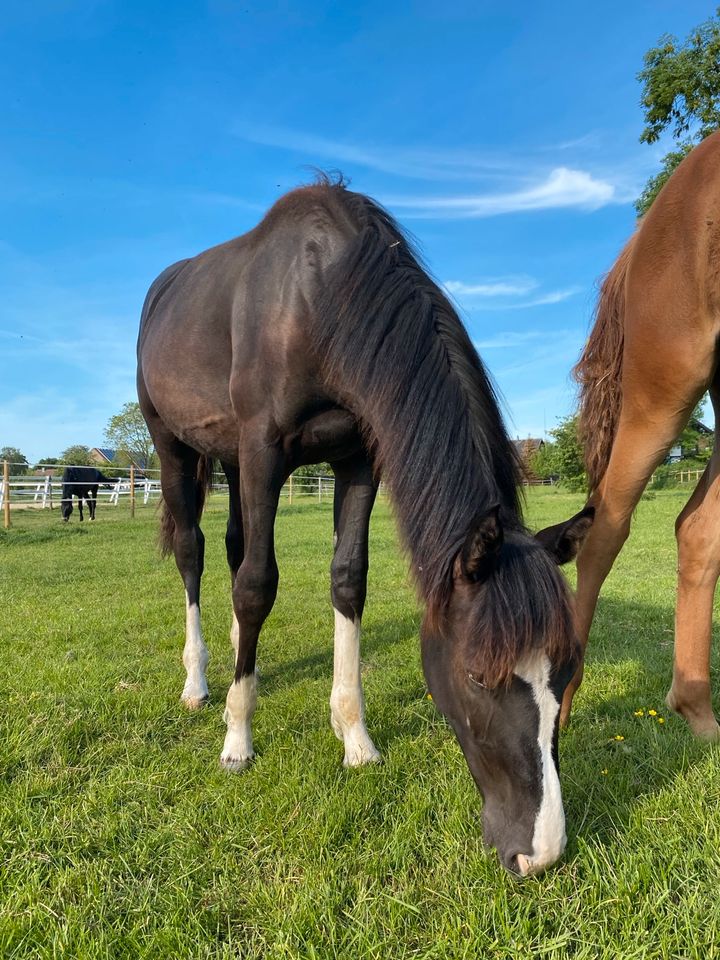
429 696
619 736
652 713
604 772
661 719
639 713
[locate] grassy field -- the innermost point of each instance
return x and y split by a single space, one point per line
121 836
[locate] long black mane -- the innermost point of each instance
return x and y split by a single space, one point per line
393 347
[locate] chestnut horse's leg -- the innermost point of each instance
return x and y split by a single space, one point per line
698 539
234 543
355 491
262 473
659 394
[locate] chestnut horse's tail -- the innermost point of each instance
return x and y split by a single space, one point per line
203 484
599 372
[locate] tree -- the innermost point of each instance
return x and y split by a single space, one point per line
694 440
128 434
78 455
46 462
563 458
681 91
18 463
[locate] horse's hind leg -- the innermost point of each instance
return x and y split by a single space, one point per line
234 541
698 538
262 473
657 403
355 492
178 480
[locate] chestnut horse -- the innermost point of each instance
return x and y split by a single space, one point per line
652 354
318 336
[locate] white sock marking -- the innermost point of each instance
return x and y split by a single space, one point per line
549 837
195 659
347 704
239 709
235 634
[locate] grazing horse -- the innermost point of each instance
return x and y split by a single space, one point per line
81 482
650 357
318 336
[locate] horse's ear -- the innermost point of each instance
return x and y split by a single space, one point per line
481 547
563 540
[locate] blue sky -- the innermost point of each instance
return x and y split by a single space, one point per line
503 136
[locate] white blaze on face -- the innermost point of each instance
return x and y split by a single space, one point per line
195 659
347 704
239 709
549 838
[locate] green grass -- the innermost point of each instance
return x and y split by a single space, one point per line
121 837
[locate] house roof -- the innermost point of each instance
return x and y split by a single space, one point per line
106 452
529 446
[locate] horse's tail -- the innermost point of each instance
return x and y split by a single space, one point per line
203 484
599 372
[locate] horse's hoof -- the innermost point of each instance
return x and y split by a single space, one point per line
195 703
361 756
233 764
702 722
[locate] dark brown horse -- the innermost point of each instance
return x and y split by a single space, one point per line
318 336
651 355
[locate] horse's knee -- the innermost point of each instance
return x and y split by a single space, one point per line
348 585
697 548
254 592
233 545
189 549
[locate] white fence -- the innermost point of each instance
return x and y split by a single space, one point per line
129 487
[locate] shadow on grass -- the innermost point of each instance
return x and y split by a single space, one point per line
629 668
377 640
614 757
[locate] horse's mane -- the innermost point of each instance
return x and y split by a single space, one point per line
599 371
393 347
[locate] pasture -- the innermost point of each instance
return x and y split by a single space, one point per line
121 836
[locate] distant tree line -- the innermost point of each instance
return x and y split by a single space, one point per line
561 459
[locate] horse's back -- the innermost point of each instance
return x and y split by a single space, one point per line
224 332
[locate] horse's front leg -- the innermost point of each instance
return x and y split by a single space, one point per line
262 473
355 492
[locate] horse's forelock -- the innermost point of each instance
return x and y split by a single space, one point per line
522 607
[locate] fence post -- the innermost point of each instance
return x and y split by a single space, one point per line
319 489
132 489
291 490
6 493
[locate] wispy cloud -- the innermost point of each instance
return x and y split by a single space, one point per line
416 162
516 182
561 188
496 287
545 299
496 294
509 339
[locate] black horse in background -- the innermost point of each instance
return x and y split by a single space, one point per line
319 336
81 482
